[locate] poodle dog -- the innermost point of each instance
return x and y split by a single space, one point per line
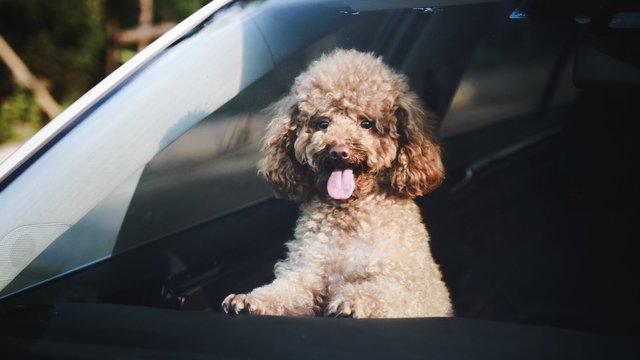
351 143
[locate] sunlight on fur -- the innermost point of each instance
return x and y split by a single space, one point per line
353 145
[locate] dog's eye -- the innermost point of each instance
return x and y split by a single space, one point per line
366 124
323 124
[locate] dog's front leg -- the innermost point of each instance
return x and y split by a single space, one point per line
293 292
379 297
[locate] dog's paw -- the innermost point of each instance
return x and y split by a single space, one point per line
355 308
242 303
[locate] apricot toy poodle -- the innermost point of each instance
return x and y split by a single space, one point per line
354 146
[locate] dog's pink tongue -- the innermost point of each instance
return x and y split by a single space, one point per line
340 185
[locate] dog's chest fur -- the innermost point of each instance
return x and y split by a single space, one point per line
371 237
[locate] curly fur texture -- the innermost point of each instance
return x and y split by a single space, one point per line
367 256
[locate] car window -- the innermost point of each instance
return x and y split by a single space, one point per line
177 144
508 74
89 175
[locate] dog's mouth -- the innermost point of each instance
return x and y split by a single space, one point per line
341 175
341 184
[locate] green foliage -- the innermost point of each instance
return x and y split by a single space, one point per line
65 42
20 116
62 41
171 10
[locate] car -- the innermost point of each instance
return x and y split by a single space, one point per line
126 220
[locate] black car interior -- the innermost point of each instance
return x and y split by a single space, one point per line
535 224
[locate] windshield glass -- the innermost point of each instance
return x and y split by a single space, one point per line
177 144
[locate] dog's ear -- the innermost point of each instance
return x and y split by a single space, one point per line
418 167
279 165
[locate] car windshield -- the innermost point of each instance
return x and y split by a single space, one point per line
155 188
176 144
137 176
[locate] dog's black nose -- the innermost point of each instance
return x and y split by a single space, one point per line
339 152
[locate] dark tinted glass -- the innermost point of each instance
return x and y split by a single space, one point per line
210 170
535 222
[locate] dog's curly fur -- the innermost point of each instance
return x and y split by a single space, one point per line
367 256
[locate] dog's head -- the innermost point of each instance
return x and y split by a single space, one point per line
350 127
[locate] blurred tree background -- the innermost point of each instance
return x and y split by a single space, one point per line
70 45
